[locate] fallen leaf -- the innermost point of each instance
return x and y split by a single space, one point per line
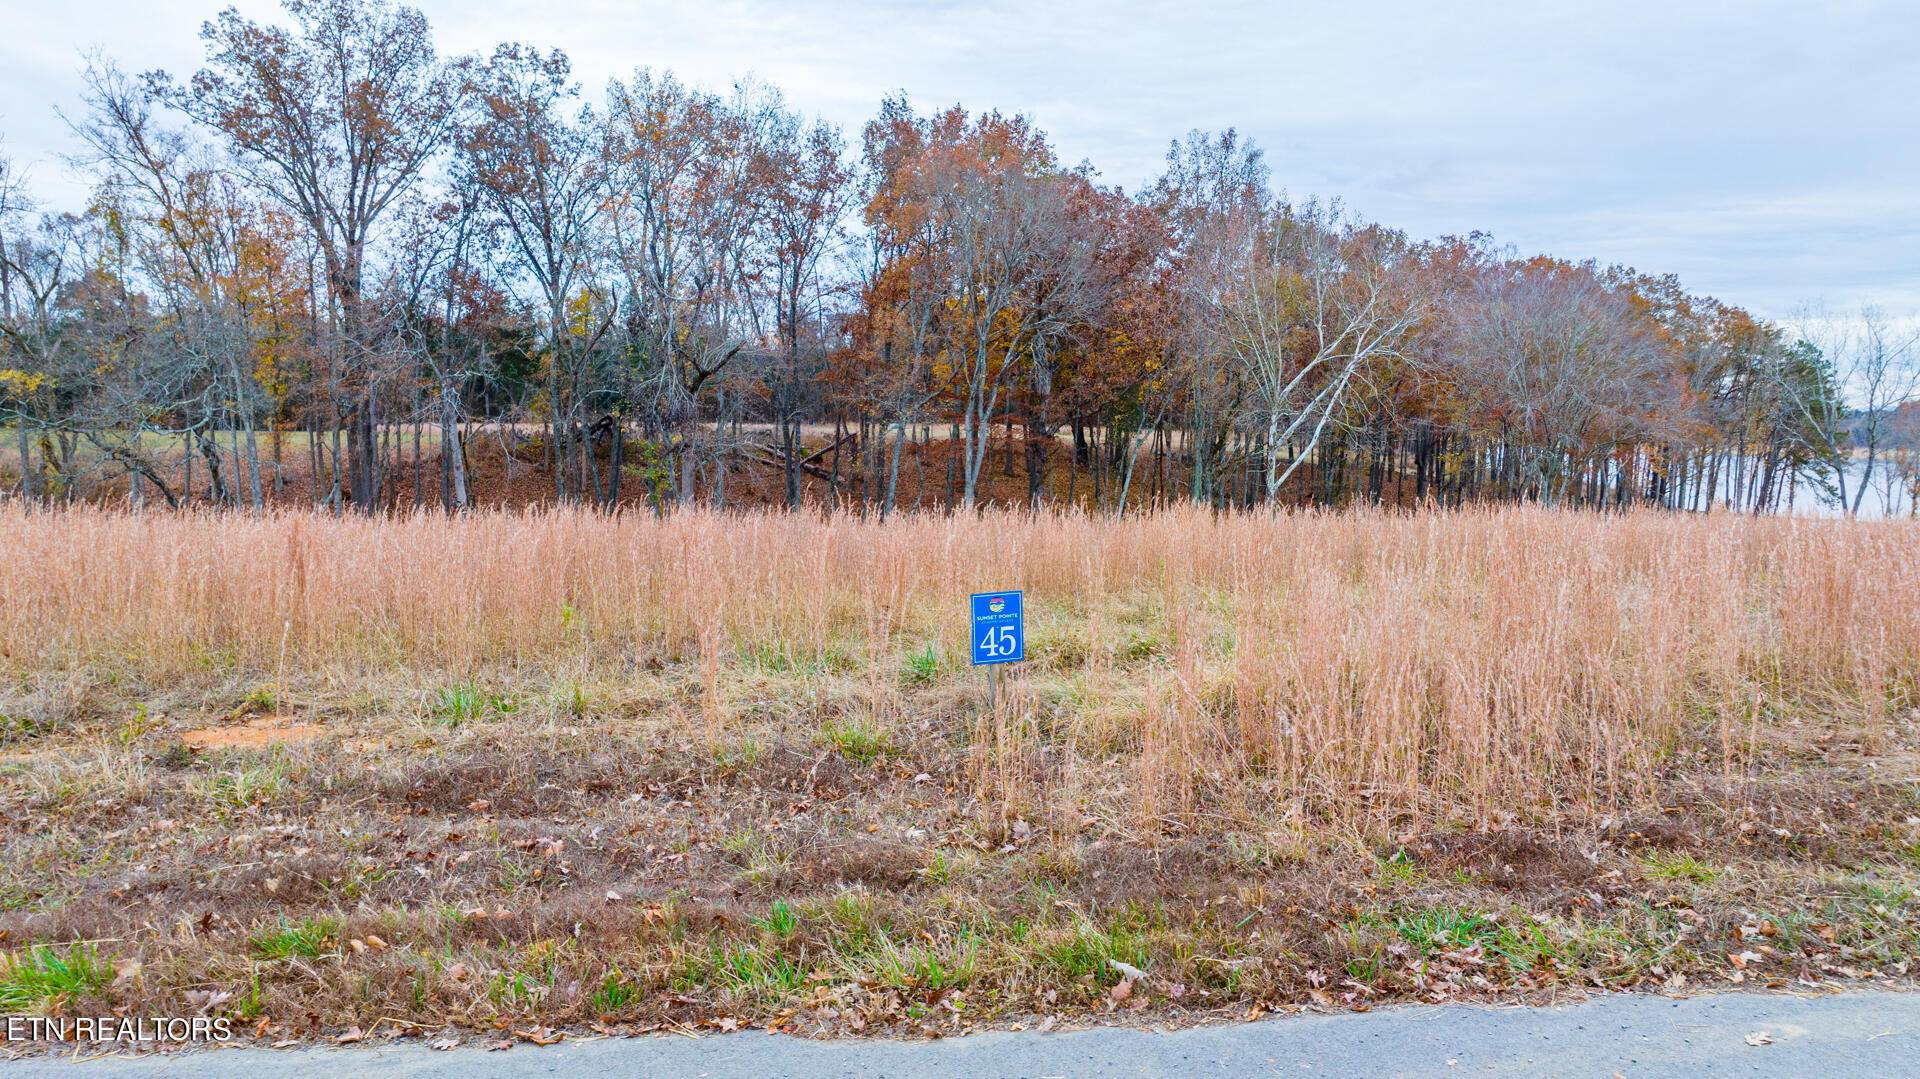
353 1035
541 1035
208 999
1121 990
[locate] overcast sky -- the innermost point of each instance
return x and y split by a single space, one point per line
1769 153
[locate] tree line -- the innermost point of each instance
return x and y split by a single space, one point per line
329 231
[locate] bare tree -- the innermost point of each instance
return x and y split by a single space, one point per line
806 189
1559 369
1881 370
1214 197
1326 299
189 233
681 205
44 371
335 119
539 172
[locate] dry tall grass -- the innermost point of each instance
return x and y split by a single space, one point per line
1440 664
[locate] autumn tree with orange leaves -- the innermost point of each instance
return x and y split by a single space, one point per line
437 267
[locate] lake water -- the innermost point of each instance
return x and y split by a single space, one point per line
1886 494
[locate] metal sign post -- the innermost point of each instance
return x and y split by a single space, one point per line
999 634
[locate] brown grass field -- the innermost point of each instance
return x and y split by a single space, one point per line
517 774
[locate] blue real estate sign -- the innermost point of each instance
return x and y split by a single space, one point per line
999 628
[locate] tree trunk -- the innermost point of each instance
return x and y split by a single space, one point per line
790 455
26 460
893 468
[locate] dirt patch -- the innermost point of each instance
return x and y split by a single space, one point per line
256 733
518 781
1509 859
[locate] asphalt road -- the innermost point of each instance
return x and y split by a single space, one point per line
1850 1034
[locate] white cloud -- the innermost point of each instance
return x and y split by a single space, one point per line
1765 151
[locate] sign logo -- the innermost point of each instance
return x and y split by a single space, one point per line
997 604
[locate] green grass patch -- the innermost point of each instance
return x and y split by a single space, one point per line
856 738
1399 870
1444 929
572 699
615 993
1671 865
48 975
945 963
1522 945
1088 950
943 868
760 857
749 968
20 728
466 702
921 667
307 939
246 786
780 922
